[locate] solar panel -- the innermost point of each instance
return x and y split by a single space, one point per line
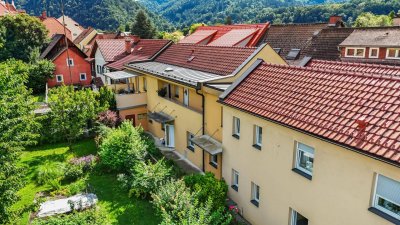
293 54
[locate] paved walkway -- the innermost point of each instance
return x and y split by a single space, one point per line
170 153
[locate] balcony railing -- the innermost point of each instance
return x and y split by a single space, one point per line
131 100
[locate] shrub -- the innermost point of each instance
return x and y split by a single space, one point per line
122 147
86 162
76 187
146 178
108 118
73 172
89 217
207 187
50 173
106 98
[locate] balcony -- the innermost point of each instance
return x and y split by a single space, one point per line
125 101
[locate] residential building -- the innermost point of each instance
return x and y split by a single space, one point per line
9 8
242 35
84 39
372 45
72 68
54 26
314 145
183 84
72 25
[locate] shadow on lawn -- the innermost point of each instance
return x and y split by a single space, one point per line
124 209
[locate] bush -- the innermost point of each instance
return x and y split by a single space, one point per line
146 178
86 162
106 98
88 217
108 118
73 172
122 147
50 173
207 187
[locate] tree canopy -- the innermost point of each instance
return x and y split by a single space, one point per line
143 26
372 20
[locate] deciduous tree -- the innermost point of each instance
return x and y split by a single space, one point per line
372 20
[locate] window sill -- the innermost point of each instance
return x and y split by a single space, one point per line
190 148
254 202
236 136
384 215
306 175
256 146
235 187
214 165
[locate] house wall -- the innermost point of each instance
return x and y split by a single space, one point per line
99 61
340 190
80 66
136 113
87 39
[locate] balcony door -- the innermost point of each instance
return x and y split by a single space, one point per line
186 97
169 135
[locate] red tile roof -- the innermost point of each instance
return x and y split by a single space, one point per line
220 31
212 59
144 50
54 26
377 69
7 9
111 49
327 104
234 37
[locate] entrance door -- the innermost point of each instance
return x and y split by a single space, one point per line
132 118
169 136
186 97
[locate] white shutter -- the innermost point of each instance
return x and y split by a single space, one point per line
388 189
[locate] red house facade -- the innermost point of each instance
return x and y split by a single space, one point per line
73 70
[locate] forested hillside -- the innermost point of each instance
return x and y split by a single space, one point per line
101 14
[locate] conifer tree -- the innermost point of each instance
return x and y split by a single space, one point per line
143 26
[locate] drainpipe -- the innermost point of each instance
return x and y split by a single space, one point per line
198 88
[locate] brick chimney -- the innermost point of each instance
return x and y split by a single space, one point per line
396 20
44 14
128 45
335 20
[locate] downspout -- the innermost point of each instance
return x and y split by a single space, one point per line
198 88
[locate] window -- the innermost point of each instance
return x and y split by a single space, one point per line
59 78
393 53
236 127
293 54
142 116
186 97
277 50
214 160
257 137
144 84
355 52
235 180
70 62
190 144
304 159
374 53
176 91
298 219
82 76
387 196
255 194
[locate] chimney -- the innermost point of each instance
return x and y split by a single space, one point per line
335 20
396 20
128 45
44 14
100 36
136 39
362 124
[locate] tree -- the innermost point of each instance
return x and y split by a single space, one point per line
143 26
22 35
372 20
228 20
18 128
71 111
194 27
175 36
39 72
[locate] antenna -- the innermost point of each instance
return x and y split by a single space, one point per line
66 40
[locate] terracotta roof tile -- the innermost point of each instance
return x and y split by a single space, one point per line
234 37
211 59
327 103
144 50
55 27
198 37
112 49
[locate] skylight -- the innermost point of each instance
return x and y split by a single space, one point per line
293 54
277 50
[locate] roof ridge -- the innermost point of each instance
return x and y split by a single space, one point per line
217 46
299 24
374 65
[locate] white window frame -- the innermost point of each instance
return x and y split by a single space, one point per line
62 78
254 191
235 178
293 217
355 52
236 126
298 150
377 53
70 60
397 53
214 160
80 76
186 97
258 137
377 196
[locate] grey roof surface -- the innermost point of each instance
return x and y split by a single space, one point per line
221 87
188 76
119 75
208 144
56 38
380 37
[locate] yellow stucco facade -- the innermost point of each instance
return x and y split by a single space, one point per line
339 193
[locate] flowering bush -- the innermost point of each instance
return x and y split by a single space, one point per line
86 162
108 118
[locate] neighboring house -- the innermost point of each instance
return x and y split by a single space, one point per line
9 8
54 26
182 86
75 70
242 35
315 145
72 25
84 38
291 41
372 45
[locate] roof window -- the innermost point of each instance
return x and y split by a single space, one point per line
293 54
169 69
191 58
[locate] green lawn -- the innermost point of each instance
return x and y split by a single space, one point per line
115 202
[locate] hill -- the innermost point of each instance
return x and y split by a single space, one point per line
101 14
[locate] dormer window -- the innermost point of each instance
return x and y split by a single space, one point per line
278 50
373 53
393 53
355 52
293 54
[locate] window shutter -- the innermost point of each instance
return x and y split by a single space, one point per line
388 189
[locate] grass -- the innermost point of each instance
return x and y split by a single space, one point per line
119 208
